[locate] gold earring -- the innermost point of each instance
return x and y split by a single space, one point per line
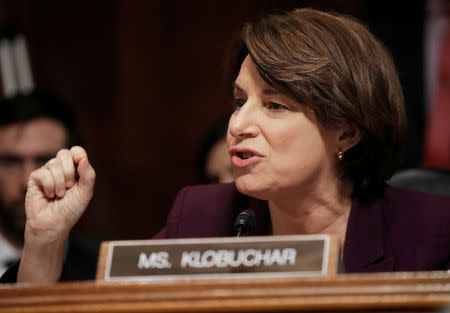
340 155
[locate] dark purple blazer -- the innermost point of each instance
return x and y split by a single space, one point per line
399 231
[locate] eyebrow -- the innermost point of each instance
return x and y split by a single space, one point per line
18 156
267 91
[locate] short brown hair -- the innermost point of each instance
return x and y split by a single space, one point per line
332 64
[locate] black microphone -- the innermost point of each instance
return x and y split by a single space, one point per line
244 223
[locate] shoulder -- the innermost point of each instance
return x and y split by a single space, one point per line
400 230
408 204
400 201
416 213
201 193
209 200
207 211
418 225
424 214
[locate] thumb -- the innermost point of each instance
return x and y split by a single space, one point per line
85 170
86 173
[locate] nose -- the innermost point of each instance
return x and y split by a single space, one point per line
243 122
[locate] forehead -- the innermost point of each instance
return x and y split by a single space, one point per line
249 72
39 136
250 82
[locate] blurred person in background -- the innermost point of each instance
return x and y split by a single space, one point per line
213 161
34 125
33 128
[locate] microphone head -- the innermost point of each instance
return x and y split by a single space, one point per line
244 222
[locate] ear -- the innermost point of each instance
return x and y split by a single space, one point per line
348 136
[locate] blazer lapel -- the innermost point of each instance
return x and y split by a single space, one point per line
364 240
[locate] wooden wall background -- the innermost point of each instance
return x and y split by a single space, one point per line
145 81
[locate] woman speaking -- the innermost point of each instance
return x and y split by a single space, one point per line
316 131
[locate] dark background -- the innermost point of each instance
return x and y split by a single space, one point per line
146 80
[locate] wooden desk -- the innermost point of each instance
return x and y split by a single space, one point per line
384 292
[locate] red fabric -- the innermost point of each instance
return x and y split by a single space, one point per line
437 140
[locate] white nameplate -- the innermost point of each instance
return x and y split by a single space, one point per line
146 260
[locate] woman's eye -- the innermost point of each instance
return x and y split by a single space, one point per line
276 106
238 102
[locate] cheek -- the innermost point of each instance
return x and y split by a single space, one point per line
8 191
299 148
9 178
229 138
296 141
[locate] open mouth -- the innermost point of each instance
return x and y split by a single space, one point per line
244 155
244 158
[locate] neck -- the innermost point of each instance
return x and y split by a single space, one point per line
316 213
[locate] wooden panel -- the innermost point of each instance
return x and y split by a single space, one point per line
102 259
384 292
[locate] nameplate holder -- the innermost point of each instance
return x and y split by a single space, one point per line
268 256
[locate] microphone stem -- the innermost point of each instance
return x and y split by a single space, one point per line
240 231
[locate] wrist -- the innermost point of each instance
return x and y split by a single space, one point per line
42 256
37 235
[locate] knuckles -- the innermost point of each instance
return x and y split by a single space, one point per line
52 163
63 153
44 174
78 151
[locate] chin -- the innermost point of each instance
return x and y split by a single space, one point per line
250 187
